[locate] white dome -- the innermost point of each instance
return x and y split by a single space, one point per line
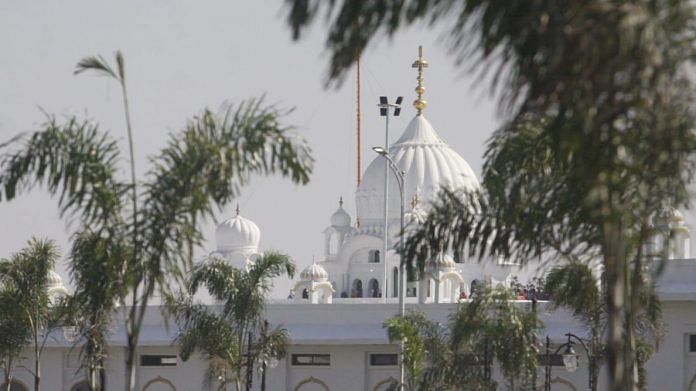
676 216
340 218
428 162
314 272
54 279
237 234
443 262
55 287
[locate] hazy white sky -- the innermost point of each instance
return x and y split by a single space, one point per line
184 56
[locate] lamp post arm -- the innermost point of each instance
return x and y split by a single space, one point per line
547 380
590 358
580 340
398 174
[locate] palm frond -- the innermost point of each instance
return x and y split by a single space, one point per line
575 286
99 65
204 167
76 161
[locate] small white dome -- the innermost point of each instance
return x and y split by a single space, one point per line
675 216
340 218
314 272
55 287
54 279
237 234
443 262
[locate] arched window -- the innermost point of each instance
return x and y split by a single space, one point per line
386 384
374 288
159 384
311 384
395 282
373 256
357 288
474 288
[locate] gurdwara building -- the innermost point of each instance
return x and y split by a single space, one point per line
341 301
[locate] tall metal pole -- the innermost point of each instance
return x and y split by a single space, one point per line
358 127
590 360
400 181
547 368
250 365
385 110
402 274
385 290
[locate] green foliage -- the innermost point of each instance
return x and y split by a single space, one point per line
493 323
489 330
29 305
222 334
76 161
598 135
574 286
155 222
27 272
96 268
413 330
14 330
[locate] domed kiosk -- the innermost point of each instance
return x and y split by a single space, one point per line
237 240
314 285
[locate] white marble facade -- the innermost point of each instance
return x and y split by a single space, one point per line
336 331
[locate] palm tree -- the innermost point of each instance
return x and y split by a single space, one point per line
14 331
234 336
575 286
95 268
26 275
414 330
157 220
607 85
533 204
488 330
493 329
270 346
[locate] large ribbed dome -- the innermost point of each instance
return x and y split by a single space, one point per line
429 164
237 234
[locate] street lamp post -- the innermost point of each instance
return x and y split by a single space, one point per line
402 270
384 110
574 360
570 360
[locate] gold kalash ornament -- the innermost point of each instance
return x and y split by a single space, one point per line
420 64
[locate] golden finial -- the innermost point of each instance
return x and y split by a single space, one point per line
340 202
237 210
421 63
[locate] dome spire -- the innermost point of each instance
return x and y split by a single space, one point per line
237 209
420 64
340 202
414 201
